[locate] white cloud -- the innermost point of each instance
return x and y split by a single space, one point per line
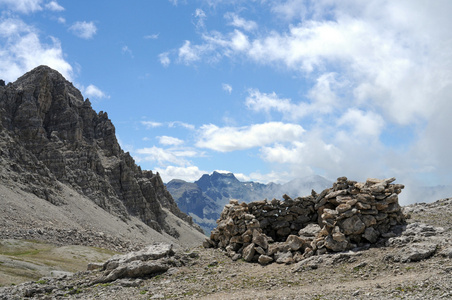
173 124
370 71
190 173
181 124
151 124
176 2
152 36
83 29
242 177
163 156
290 9
164 59
188 54
273 176
239 22
258 101
200 16
239 41
17 38
322 96
94 92
363 124
22 6
61 20
170 141
239 138
239 176
126 50
54 6
215 47
227 87
384 55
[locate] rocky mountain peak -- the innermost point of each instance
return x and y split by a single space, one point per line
216 179
53 135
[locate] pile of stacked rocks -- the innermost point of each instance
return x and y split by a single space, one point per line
344 217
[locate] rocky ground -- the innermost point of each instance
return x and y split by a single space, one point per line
414 265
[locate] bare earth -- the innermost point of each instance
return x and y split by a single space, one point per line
375 273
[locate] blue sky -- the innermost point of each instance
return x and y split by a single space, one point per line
269 90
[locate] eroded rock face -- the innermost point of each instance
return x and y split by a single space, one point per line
348 215
49 133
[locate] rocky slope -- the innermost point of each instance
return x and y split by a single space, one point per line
204 199
413 265
55 147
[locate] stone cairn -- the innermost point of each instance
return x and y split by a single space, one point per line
347 216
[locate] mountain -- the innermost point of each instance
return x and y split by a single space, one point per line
193 201
53 144
204 199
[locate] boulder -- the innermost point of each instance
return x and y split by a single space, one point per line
248 252
260 239
353 226
265 259
295 243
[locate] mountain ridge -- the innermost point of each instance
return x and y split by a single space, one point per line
50 135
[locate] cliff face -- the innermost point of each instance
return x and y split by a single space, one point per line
48 133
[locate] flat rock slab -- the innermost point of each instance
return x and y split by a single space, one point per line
151 252
417 252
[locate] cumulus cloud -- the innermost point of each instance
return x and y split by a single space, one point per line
172 124
290 9
375 68
189 54
83 29
236 21
93 91
181 124
216 46
273 176
258 102
200 17
190 173
363 124
239 176
170 141
151 124
385 61
54 6
164 59
163 156
227 139
17 38
22 6
320 99
227 87
174 156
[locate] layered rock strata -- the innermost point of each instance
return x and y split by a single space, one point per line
344 217
50 135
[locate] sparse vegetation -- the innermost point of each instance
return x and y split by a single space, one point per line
42 281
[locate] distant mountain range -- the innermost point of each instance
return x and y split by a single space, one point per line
204 199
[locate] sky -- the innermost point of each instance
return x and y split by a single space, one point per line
269 90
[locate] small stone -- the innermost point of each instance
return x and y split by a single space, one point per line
265 259
284 257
